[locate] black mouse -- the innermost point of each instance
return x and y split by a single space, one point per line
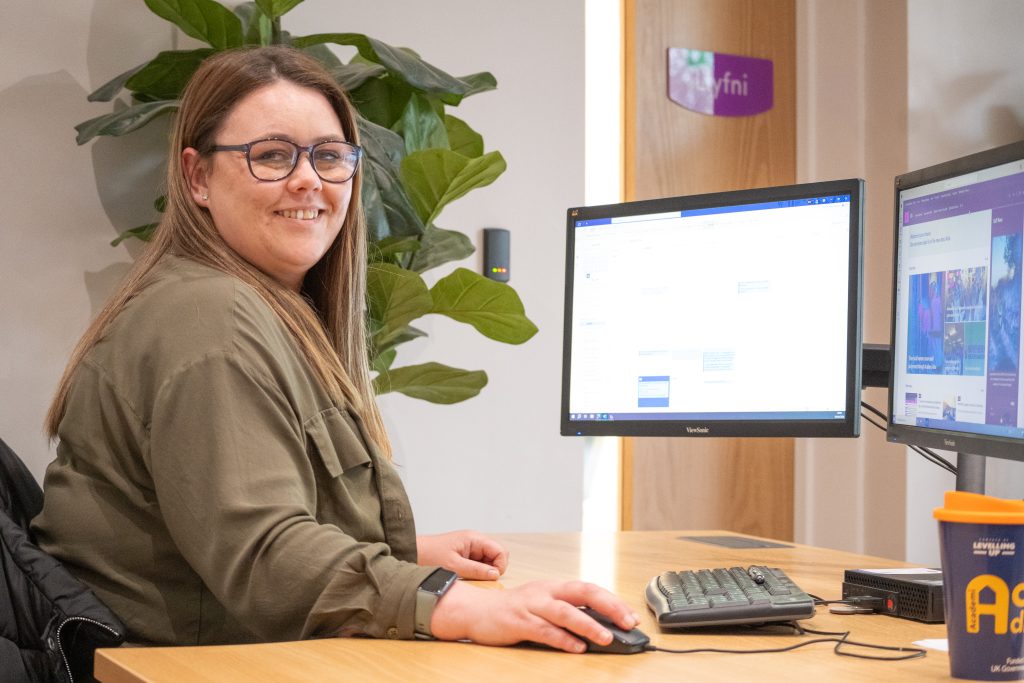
623 642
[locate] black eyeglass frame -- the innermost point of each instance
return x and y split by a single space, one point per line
299 149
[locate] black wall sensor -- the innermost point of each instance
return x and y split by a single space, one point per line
496 254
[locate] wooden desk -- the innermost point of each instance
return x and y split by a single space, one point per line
625 562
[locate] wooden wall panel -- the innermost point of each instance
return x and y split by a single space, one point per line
744 485
675 151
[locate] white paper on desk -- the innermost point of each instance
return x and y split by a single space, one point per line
940 644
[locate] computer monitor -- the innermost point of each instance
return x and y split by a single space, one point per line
956 306
726 314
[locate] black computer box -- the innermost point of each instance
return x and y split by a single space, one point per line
908 593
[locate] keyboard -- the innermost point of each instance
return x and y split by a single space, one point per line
720 597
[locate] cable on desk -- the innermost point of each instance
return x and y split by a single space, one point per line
875 603
910 652
842 641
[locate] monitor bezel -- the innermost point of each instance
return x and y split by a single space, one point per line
930 437
849 426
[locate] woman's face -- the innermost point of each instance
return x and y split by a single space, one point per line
285 226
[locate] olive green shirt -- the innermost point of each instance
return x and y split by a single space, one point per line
208 489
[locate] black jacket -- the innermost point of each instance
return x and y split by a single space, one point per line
50 623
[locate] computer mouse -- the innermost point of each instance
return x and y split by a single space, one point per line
623 642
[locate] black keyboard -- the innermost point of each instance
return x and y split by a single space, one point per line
720 597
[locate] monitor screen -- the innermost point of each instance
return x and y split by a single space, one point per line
727 314
956 342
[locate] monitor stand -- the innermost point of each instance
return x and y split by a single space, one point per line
876 366
970 472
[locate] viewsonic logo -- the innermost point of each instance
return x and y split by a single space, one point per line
949 442
697 430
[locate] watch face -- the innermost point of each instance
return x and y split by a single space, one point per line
438 581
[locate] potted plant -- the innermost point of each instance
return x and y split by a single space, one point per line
418 158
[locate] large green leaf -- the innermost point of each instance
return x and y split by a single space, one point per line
322 54
124 121
432 382
421 126
387 207
404 63
204 20
377 227
390 248
382 143
462 138
479 82
383 360
384 355
166 75
275 8
143 98
142 232
395 297
109 90
493 308
435 177
439 246
407 334
381 99
351 76
256 26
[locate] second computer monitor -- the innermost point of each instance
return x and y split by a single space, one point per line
726 314
957 291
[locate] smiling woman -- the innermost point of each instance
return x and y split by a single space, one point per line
277 214
223 474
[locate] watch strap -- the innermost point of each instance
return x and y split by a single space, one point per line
427 595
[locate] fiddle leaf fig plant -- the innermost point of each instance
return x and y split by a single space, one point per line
417 159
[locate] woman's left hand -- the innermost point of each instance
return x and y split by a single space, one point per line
469 554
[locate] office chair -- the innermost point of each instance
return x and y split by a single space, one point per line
20 495
50 622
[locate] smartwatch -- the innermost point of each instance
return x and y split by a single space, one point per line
427 595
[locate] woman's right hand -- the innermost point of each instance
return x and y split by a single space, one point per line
545 612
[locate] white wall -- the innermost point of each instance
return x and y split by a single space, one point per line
886 86
56 264
494 463
851 122
965 95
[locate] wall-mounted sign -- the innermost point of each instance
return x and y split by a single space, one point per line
719 84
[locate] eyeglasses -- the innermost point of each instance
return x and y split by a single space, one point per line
272 159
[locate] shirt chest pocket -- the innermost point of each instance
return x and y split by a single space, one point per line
337 442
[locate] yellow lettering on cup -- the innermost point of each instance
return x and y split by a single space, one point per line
1017 623
1018 595
999 609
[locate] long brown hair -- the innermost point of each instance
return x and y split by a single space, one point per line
326 318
